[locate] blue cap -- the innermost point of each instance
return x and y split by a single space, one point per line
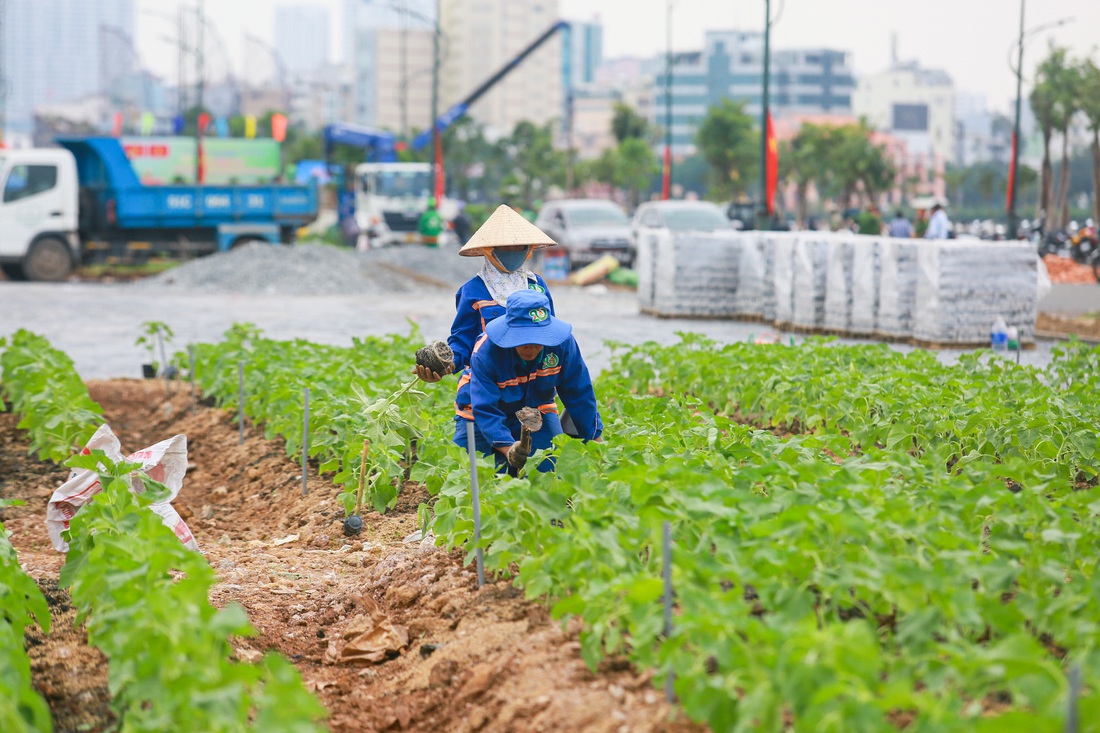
527 321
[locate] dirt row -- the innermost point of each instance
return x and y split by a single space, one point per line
476 660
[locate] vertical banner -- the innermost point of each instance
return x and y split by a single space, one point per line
771 177
148 120
1011 180
250 126
440 183
116 124
178 125
204 122
221 127
278 127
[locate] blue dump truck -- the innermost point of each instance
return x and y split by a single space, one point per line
60 206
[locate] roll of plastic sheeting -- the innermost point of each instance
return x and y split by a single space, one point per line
865 285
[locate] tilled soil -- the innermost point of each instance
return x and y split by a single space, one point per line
1086 328
477 660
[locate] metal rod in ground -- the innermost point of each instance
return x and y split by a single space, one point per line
305 442
1074 693
191 372
164 363
240 398
477 503
666 575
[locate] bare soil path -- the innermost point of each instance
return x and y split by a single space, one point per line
477 660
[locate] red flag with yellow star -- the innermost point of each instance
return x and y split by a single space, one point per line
771 170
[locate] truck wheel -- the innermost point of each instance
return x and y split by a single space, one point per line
12 271
48 261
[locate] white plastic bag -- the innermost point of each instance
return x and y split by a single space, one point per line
165 462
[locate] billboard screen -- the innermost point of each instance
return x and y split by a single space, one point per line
159 161
910 118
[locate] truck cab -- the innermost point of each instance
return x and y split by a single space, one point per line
39 212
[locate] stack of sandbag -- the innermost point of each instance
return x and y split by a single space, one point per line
696 275
811 259
866 272
782 246
754 296
963 285
897 287
837 295
645 264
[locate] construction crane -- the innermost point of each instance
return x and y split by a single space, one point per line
447 118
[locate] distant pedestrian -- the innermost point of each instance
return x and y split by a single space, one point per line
938 225
869 221
900 226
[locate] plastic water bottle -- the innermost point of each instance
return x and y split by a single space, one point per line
998 336
1013 338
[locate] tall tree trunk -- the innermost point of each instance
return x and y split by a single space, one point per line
802 205
1063 183
1046 173
1096 176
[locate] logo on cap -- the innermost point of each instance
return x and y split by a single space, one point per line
538 315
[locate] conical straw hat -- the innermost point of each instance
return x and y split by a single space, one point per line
505 228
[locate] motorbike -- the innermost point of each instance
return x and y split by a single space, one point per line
1083 242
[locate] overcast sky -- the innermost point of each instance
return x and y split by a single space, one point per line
970 39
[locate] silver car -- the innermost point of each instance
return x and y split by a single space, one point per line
588 229
656 217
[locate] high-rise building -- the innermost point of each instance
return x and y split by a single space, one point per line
60 50
302 37
730 66
480 37
586 39
372 14
914 104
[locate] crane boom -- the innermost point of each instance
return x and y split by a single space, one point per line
447 118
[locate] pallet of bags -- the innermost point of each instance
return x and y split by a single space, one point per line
897 287
963 285
782 245
865 276
809 264
837 315
696 275
754 298
646 266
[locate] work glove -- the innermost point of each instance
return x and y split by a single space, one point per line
434 361
519 453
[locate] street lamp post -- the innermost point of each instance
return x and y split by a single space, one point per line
1015 162
1012 226
666 179
763 208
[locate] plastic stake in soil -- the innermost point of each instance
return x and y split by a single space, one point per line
164 364
1074 692
666 575
191 372
240 398
305 441
477 503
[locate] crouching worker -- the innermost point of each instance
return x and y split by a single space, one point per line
523 360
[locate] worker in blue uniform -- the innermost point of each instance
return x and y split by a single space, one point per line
525 359
506 240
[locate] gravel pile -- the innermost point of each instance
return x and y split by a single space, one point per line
313 269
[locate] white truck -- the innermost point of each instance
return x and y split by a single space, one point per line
390 199
38 214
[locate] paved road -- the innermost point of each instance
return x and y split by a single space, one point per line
1071 300
96 324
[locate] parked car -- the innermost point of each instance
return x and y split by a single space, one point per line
677 216
588 229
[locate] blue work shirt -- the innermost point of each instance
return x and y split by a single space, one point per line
474 307
500 383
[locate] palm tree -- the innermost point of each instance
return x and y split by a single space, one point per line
1090 105
1044 106
1067 90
